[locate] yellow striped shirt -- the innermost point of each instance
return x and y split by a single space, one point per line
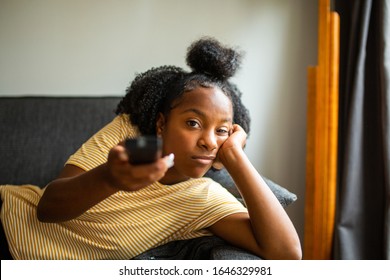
121 226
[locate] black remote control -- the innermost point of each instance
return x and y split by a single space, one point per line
143 149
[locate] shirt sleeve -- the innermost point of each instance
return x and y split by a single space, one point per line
95 151
220 204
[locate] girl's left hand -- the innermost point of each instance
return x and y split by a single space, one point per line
236 140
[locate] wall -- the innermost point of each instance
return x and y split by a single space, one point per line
94 48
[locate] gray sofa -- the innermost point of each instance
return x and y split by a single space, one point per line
38 134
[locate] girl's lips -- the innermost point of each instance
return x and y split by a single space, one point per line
206 160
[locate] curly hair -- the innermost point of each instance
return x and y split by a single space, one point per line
154 91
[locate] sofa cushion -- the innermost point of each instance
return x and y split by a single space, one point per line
201 248
38 134
284 196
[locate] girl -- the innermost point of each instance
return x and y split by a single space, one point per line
102 207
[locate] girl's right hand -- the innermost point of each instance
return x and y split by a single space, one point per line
127 177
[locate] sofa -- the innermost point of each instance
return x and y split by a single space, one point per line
38 134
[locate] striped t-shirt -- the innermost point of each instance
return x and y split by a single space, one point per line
121 226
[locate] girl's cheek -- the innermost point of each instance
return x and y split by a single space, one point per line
220 143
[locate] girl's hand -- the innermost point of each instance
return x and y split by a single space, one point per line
236 140
124 176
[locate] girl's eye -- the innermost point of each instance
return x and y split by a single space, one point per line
223 131
192 123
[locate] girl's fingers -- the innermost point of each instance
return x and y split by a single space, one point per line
118 153
169 160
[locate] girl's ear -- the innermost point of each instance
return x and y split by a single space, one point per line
160 124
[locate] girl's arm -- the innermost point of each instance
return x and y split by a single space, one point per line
75 191
267 231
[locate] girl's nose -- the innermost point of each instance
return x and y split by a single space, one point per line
208 141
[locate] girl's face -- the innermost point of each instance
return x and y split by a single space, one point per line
196 127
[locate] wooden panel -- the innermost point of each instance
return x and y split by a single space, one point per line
322 125
333 129
309 244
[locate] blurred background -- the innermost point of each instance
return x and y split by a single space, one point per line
95 48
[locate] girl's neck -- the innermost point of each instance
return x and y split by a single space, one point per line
171 178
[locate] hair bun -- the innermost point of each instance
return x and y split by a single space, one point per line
208 56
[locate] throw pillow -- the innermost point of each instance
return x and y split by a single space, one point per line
223 177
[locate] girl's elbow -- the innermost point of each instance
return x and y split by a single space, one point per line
290 252
42 213
46 214
294 253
